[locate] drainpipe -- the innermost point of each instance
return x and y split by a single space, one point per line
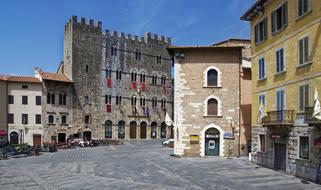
7 108
240 114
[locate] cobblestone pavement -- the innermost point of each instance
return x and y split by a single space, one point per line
139 165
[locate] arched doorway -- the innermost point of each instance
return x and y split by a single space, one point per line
212 142
154 130
87 135
14 138
143 128
108 129
132 129
163 130
121 130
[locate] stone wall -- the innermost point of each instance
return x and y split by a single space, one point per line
191 95
87 57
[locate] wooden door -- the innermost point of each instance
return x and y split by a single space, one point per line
279 156
36 140
143 131
133 130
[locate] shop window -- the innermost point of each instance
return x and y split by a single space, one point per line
304 147
262 143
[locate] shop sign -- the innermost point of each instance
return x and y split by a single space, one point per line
274 136
212 136
228 135
194 139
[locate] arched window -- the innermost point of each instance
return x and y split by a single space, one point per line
142 77
121 130
108 129
14 138
212 77
63 119
133 101
50 98
50 119
62 98
163 103
143 101
154 79
212 106
163 80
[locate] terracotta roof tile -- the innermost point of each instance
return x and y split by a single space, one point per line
23 79
4 77
55 77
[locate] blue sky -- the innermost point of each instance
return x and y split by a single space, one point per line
31 32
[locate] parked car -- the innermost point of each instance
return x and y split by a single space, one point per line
168 143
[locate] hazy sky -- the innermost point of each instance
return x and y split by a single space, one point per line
32 30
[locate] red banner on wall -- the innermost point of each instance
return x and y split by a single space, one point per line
108 108
134 85
109 83
143 86
164 89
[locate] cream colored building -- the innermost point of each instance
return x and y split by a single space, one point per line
24 111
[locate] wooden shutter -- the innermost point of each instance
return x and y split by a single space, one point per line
212 107
301 51
285 14
265 28
273 21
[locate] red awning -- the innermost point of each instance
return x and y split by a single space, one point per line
3 132
317 141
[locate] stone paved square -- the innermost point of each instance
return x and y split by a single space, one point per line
139 165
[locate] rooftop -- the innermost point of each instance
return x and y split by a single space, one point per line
55 77
255 10
26 79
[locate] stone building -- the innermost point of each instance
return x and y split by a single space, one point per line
246 92
286 52
207 100
57 106
122 84
24 110
4 109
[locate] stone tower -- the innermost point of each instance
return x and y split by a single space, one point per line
120 82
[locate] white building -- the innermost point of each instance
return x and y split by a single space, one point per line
24 110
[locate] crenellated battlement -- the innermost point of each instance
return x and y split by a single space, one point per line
91 27
83 24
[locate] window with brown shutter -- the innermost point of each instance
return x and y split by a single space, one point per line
212 106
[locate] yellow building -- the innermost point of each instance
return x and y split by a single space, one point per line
286 68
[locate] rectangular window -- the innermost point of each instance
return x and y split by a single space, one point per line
280 100
303 7
158 59
38 100
137 55
87 119
24 118
25 86
279 18
118 100
304 147
304 51
86 100
113 50
154 103
108 99
38 119
108 73
304 97
262 143
133 101
142 102
10 118
118 75
261 31
280 61
24 100
261 68
10 99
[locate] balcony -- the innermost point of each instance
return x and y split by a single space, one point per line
309 119
282 117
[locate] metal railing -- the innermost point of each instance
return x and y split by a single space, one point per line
309 119
281 117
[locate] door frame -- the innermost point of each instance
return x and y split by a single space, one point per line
202 139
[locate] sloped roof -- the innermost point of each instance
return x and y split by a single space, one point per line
19 79
55 77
